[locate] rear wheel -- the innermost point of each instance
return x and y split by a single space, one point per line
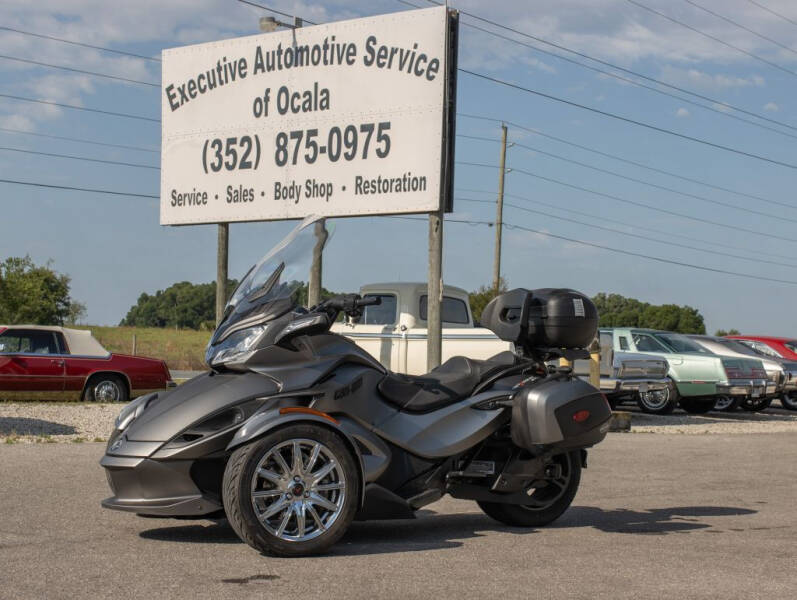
547 502
789 401
755 404
293 492
106 388
697 406
727 403
658 402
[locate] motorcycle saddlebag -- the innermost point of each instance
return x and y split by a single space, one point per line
562 413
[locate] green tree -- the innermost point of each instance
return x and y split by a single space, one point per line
36 295
481 297
723 333
182 305
618 311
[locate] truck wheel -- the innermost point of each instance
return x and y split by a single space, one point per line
550 501
659 402
789 401
293 492
106 388
755 404
697 406
727 403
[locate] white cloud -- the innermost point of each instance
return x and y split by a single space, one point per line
695 78
771 107
681 113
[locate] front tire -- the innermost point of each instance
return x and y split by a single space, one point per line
551 500
293 492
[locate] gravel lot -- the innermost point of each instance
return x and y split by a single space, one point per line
29 422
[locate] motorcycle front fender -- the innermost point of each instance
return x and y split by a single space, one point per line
271 420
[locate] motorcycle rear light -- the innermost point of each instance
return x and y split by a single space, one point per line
581 416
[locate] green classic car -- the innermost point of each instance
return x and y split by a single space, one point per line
699 375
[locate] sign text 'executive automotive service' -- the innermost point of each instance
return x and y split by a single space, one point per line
340 119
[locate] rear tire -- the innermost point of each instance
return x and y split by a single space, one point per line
755 404
789 401
286 512
727 403
660 402
106 388
518 515
697 406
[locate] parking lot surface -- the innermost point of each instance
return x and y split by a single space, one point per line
657 516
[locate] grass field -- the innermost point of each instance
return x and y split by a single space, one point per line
181 348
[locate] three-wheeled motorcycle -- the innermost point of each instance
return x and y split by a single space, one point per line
295 431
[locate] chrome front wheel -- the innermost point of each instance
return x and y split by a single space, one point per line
293 492
298 490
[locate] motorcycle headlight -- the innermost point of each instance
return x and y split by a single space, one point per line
130 412
235 347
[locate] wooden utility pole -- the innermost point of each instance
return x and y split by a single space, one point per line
434 324
221 269
314 285
499 217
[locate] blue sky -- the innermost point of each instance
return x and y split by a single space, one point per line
114 248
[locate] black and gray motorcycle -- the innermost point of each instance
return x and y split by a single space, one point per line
296 431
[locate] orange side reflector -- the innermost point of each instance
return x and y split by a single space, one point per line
308 411
581 416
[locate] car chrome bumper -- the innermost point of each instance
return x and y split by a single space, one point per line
755 388
611 385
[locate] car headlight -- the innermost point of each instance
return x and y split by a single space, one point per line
235 347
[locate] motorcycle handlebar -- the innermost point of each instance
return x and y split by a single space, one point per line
349 303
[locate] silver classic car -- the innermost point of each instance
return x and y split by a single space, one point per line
633 376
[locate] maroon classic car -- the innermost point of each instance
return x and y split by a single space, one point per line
59 363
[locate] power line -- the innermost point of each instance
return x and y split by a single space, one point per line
718 111
83 158
647 238
84 45
716 39
624 160
769 10
634 202
654 185
613 66
648 257
75 70
635 180
73 107
636 226
627 119
274 10
633 235
78 189
615 250
740 26
78 140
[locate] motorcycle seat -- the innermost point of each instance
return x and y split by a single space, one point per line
451 382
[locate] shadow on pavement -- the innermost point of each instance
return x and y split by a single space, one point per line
27 426
656 521
434 531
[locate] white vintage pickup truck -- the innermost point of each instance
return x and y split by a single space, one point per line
394 331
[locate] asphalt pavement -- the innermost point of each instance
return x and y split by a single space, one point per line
657 516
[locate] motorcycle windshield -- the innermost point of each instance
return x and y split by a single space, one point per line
278 281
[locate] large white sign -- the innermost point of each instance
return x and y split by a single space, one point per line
338 119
